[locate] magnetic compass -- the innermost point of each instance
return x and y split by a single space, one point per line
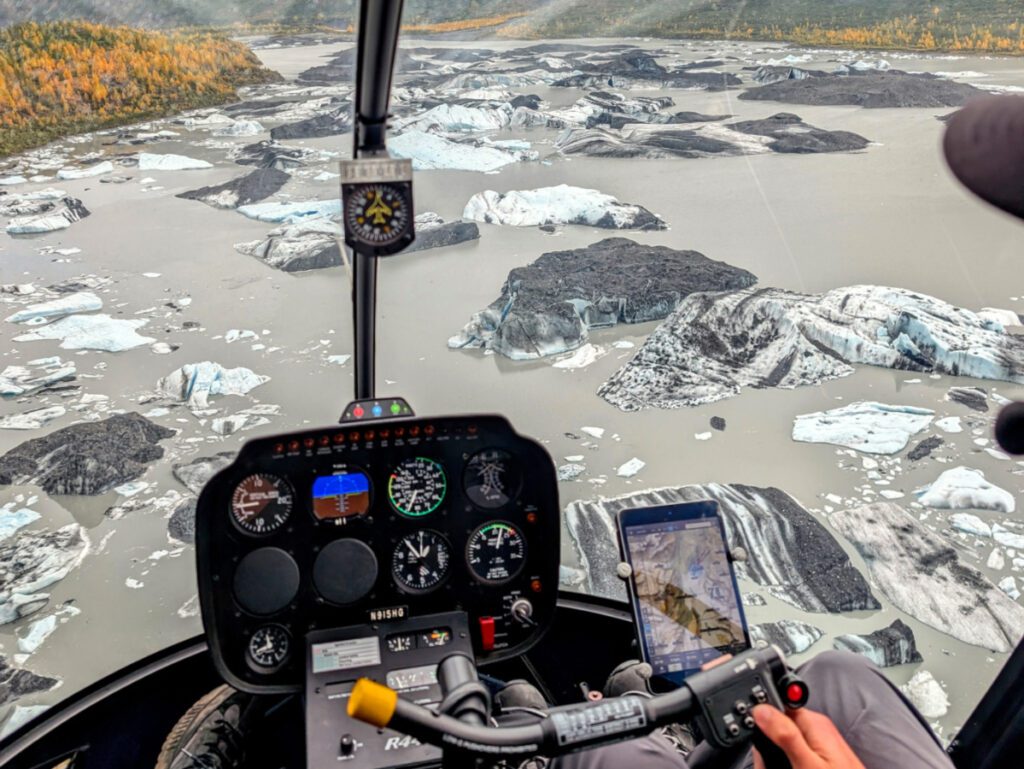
377 205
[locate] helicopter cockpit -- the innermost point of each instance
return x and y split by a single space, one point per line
390 589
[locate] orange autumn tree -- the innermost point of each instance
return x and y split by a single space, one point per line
67 77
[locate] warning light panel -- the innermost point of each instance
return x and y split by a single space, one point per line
380 408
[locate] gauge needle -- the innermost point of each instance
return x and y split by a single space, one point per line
413 550
267 647
498 545
412 500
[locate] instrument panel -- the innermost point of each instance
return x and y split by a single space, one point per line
375 523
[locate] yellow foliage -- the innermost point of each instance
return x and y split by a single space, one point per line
59 76
462 25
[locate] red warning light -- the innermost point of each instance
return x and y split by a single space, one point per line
369 434
536 586
325 440
531 517
293 445
384 434
339 437
414 431
353 436
358 412
278 448
399 432
471 429
308 442
428 430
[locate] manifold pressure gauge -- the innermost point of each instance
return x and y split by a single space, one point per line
377 208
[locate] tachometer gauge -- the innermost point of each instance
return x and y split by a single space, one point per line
261 503
491 479
421 561
496 552
417 487
269 646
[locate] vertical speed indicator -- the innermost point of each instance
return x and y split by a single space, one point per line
496 552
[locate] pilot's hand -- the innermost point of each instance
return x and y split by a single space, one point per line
810 740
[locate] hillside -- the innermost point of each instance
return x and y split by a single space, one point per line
63 78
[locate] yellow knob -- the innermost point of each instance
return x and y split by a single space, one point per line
373 703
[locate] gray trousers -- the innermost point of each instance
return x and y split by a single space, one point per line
878 722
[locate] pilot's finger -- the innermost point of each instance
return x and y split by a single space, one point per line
716 662
758 761
780 729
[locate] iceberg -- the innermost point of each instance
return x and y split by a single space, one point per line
715 344
290 213
457 117
429 151
51 221
33 561
32 420
37 633
194 383
969 523
150 162
240 128
10 181
631 468
67 174
44 373
999 319
924 576
893 645
309 245
789 552
11 520
84 301
21 715
91 332
926 694
873 428
563 204
792 636
965 488
195 474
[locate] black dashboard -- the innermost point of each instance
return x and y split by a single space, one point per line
374 524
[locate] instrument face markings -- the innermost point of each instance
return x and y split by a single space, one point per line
261 503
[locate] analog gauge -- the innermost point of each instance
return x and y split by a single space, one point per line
421 561
261 503
377 214
417 487
491 479
496 552
269 646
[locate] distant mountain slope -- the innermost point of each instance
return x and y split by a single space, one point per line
171 13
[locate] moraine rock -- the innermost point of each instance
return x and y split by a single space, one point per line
974 398
563 204
925 448
788 551
868 89
309 245
783 133
270 154
182 523
86 458
252 188
893 645
197 473
874 428
792 636
338 121
923 575
18 682
434 232
32 562
549 306
713 345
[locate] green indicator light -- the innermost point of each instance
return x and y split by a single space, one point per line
396 408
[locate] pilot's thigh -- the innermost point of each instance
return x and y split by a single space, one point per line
653 752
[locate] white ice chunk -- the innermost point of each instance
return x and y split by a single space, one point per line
10 181
949 425
965 488
582 357
91 332
131 488
1002 319
631 468
926 694
703 436
134 584
874 428
234 335
66 174
563 204
32 420
291 212
82 301
970 524
1007 538
430 151
150 162
11 520
1009 586
593 432
240 128
20 716
457 117
195 382
37 633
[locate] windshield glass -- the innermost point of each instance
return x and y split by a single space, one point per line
703 250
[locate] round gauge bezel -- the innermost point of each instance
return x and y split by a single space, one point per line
512 493
282 482
469 545
444 491
350 469
401 584
356 227
267 669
